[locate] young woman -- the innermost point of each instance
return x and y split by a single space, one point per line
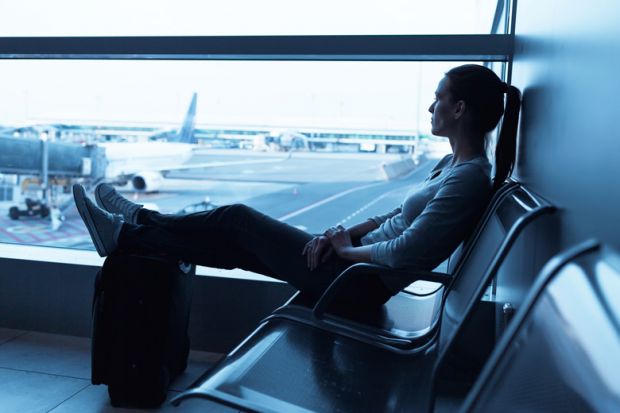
432 221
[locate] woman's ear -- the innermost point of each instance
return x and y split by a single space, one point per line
459 109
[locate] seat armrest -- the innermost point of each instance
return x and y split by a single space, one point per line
381 271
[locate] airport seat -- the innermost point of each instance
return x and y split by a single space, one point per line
562 350
408 321
291 365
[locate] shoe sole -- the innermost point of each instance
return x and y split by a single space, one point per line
78 196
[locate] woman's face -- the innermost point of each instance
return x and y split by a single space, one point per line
444 110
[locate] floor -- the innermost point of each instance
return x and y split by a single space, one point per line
51 373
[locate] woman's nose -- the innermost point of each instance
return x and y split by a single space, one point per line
431 108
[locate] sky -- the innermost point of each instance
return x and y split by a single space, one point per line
367 95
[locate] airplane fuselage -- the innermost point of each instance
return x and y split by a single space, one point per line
126 159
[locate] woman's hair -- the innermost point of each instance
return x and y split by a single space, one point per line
483 93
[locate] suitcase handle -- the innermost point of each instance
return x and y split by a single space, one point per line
185 267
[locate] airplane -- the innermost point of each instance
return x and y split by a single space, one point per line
145 163
47 164
26 149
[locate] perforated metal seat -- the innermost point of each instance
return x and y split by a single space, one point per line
562 351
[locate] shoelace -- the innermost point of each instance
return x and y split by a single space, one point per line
120 203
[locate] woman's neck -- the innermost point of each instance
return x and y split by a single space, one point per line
464 150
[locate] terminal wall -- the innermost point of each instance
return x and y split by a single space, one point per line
566 59
57 298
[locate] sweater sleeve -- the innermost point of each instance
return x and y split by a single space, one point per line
443 224
380 219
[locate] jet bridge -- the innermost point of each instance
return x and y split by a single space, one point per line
45 158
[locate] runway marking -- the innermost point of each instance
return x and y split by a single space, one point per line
11 235
39 232
326 200
81 229
26 229
227 163
362 209
35 237
368 205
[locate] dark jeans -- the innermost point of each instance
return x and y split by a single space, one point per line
237 236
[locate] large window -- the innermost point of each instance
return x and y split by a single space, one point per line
309 141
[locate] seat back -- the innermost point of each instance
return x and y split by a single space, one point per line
562 351
463 251
503 226
398 309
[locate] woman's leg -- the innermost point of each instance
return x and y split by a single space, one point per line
227 237
238 236
234 236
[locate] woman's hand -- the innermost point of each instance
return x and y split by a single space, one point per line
340 239
317 250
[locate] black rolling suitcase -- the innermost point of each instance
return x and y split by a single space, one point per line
140 319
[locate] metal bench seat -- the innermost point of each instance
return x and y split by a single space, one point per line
294 365
561 353
289 367
407 322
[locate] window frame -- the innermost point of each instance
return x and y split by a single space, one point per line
475 47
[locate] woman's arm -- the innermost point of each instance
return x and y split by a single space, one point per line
356 254
319 248
380 219
340 240
445 222
362 228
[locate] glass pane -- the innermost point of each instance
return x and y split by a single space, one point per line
244 17
311 143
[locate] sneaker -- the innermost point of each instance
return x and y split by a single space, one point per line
103 227
110 200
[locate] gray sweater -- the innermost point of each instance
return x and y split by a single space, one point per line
435 217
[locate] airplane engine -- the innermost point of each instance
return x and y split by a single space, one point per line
147 181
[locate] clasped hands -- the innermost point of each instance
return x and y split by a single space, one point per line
320 248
